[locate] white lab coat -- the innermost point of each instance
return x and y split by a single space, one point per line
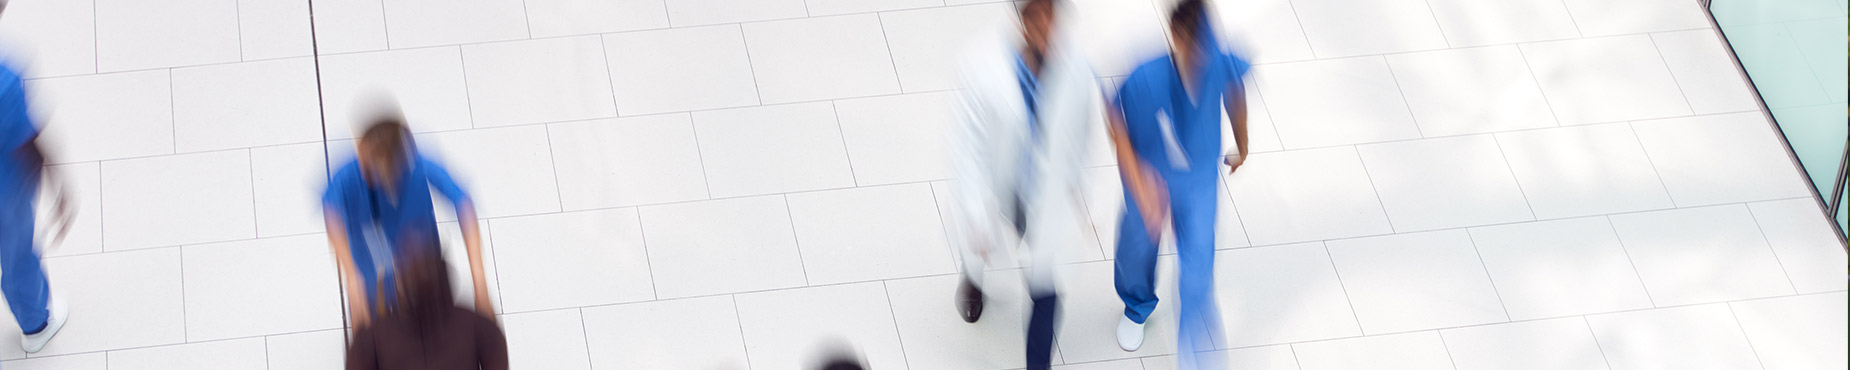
993 137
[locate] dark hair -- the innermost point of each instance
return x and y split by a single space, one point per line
388 135
1037 5
1188 18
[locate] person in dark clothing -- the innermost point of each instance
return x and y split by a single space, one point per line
428 331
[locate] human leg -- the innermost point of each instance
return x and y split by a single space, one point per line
1195 208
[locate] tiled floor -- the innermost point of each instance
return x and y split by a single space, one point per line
732 184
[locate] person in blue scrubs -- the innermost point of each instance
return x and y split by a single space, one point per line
1165 128
22 161
378 209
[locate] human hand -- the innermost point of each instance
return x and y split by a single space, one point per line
1234 161
1152 203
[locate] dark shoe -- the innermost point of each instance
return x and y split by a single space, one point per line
969 301
1040 332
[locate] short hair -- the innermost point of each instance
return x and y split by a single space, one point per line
388 135
1188 18
1038 5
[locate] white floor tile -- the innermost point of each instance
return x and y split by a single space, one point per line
937 338
1422 350
417 23
819 8
287 184
87 361
1299 96
1474 23
1444 183
260 287
1559 344
1266 31
820 58
1416 281
571 259
722 246
1705 71
899 139
1468 91
1281 294
1720 159
1306 195
929 45
870 233
241 354
680 69
318 350
548 18
1256 358
134 35
1090 310
1700 255
547 340
783 329
701 332
1350 28
83 184
245 105
274 29
51 38
124 299
147 205
345 26
1582 171
772 149
1804 332
1129 364
1560 268
1262 133
505 171
627 162
536 81
1116 35
683 13
1608 79
1801 237
426 85
456 254
110 116
1692 337
1600 18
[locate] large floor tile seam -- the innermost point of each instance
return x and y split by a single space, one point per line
1488 277
152 346
740 320
106 251
887 43
1629 261
757 92
552 163
1524 56
1750 340
1226 191
1607 360
462 63
1371 186
734 197
526 17
1402 91
173 118
151 69
184 335
1437 25
1297 17
250 168
841 136
1769 246
791 220
1659 174
489 229
1572 21
1287 149
1353 313
892 315
1448 350
1659 52
100 162
1517 43
655 293
238 17
1512 172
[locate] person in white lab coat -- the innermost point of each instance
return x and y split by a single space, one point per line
1026 109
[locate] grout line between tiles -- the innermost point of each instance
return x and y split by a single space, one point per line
468 101
842 137
1673 72
1492 279
740 325
1654 171
1769 243
757 93
1447 348
642 231
1596 345
1512 171
1629 261
887 294
1371 186
887 43
1403 98
1744 336
1331 257
237 15
1435 23
792 220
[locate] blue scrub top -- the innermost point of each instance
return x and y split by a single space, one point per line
1154 92
17 179
412 218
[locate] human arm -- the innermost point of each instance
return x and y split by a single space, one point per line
1236 106
343 260
441 180
1142 184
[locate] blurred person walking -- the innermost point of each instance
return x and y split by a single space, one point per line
1025 113
428 331
383 195
22 166
1165 129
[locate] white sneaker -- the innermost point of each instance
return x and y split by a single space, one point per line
1130 334
59 312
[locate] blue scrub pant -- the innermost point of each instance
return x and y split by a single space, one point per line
22 278
1193 203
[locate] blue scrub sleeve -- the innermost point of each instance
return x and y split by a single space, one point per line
440 179
15 120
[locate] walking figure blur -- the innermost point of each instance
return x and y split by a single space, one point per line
22 166
1025 110
1165 128
427 331
383 196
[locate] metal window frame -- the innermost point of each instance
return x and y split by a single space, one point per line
1829 205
